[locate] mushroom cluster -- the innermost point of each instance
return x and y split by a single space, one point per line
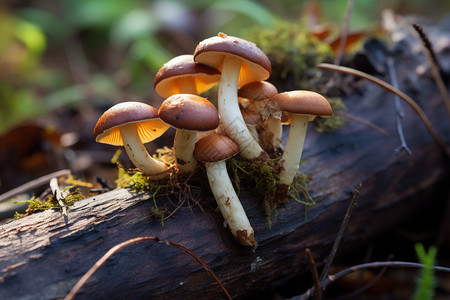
248 122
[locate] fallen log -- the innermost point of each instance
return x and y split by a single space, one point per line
42 257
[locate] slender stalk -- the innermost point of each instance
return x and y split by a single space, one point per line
183 149
294 148
399 110
434 64
229 204
139 155
120 246
230 113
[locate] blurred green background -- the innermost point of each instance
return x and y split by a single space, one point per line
56 54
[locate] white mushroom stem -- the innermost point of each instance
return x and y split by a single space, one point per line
139 155
294 148
229 204
183 149
230 113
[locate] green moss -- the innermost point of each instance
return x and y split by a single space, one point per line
334 122
261 178
50 202
35 205
293 52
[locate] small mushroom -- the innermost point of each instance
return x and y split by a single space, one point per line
213 150
181 75
188 114
260 92
240 62
131 124
302 107
251 116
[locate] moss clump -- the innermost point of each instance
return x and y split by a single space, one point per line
294 54
50 202
334 122
136 182
261 178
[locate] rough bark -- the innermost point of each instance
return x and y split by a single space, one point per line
42 257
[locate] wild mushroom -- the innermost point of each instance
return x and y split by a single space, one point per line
214 149
251 116
188 114
181 75
240 62
302 107
260 92
130 124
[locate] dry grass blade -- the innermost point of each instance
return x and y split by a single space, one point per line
434 64
120 246
390 88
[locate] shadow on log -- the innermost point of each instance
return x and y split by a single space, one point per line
41 257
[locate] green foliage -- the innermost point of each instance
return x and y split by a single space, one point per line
137 182
425 281
261 178
293 52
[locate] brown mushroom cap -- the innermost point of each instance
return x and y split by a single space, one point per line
215 147
249 112
189 112
258 90
255 64
180 68
145 116
303 102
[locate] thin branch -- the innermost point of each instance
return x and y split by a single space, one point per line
399 110
338 239
332 278
434 64
391 89
345 31
312 266
59 195
32 184
120 246
357 292
364 122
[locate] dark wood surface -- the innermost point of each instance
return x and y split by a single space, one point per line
42 257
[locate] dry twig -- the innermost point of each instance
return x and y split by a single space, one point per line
392 89
398 109
315 275
120 246
32 184
344 223
434 64
332 278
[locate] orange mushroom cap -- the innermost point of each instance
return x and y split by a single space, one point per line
183 67
145 116
255 64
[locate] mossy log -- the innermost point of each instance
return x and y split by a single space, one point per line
42 257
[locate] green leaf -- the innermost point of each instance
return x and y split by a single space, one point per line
250 9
